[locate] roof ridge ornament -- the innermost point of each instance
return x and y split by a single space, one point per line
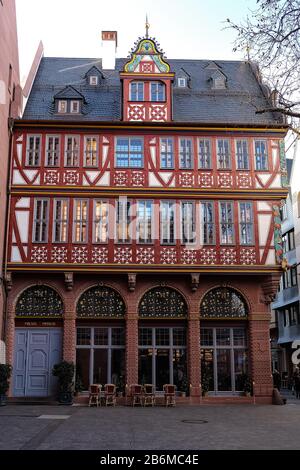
147 26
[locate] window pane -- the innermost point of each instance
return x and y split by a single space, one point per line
145 336
223 336
242 162
239 337
144 221
101 336
118 369
204 154
83 336
240 368
223 154
83 367
145 366
206 336
167 222
207 367
207 223
100 366
117 336
180 370
162 336
179 336
186 153
166 153
224 370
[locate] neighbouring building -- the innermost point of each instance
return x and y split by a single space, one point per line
144 239
10 107
285 324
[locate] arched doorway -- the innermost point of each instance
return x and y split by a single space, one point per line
162 338
100 339
38 341
224 340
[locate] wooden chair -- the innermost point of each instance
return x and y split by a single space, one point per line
94 395
169 391
110 394
136 393
149 394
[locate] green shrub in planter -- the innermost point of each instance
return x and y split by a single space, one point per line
5 374
64 371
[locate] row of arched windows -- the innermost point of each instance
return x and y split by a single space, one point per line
105 302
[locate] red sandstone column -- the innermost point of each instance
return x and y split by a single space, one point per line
260 357
69 335
194 362
131 348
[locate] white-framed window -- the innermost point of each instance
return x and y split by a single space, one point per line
40 221
188 222
246 223
137 91
261 154
72 150
123 219
129 152
80 221
166 153
144 221
242 154
167 222
100 234
60 228
157 91
33 150
208 223
226 223
94 80
75 107
204 153
62 106
90 151
186 153
52 150
181 82
223 154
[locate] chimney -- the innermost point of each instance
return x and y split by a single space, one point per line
109 49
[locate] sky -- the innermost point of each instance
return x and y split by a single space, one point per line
192 29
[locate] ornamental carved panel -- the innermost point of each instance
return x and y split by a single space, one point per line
39 301
100 302
223 302
163 302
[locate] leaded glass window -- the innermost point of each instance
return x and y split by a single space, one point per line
33 150
223 154
261 155
100 302
204 149
39 301
162 302
223 302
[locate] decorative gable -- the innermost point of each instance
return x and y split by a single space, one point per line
147 58
69 92
147 83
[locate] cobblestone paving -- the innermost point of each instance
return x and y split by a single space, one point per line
183 427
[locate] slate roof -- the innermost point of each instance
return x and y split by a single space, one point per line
197 103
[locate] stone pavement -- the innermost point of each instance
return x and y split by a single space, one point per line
43 427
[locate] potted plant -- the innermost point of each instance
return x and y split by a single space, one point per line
247 385
5 374
205 384
64 371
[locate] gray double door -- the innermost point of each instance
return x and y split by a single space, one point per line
36 351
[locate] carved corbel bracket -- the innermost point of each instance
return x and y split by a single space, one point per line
8 281
69 281
195 281
131 282
269 289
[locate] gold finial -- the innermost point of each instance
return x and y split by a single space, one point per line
147 25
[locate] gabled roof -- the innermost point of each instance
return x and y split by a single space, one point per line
237 103
94 71
69 92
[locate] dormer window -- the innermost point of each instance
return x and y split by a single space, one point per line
181 82
157 91
94 80
75 108
218 80
137 91
62 106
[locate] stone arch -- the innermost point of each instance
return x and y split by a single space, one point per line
100 302
162 302
223 302
39 301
